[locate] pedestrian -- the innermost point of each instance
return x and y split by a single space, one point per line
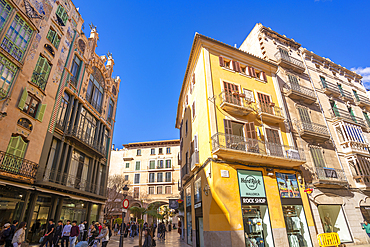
366 227
58 233
5 233
154 228
104 235
92 234
13 228
179 227
19 235
75 231
148 239
49 235
116 228
66 233
133 230
81 227
100 227
86 229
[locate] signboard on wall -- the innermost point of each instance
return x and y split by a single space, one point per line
288 185
251 187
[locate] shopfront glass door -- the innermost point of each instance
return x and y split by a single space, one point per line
296 226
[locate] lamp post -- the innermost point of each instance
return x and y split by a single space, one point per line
125 189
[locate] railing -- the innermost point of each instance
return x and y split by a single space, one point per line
12 164
236 99
95 104
339 113
345 94
161 168
39 80
165 180
354 146
324 173
270 108
240 143
194 159
185 170
362 99
313 127
301 89
73 181
287 58
73 81
330 86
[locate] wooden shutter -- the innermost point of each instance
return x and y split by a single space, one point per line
56 41
317 157
40 112
273 136
221 59
193 78
196 142
263 76
305 116
45 70
193 109
251 72
51 35
228 129
17 146
250 131
23 99
263 98
237 67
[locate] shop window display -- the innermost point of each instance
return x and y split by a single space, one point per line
333 220
257 227
296 226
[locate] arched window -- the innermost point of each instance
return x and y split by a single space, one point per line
25 123
95 89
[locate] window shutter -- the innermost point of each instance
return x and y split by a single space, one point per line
12 146
196 142
263 75
40 112
253 72
56 41
45 70
193 78
23 99
250 130
228 130
50 35
237 67
222 64
305 116
17 146
193 109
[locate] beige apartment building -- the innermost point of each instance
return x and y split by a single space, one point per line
328 112
152 170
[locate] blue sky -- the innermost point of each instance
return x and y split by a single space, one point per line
151 41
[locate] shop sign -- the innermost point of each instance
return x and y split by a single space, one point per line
330 173
197 205
173 204
288 185
252 189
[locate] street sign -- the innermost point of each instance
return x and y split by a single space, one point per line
125 204
124 210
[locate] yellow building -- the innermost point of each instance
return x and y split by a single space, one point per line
239 164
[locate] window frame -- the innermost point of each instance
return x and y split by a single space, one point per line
137 164
51 36
137 181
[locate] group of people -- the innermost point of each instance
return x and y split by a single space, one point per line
67 234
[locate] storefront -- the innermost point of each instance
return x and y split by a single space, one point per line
256 218
189 229
73 210
12 202
198 210
293 211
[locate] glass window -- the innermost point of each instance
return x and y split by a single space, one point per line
159 177
160 150
296 226
198 190
138 152
87 127
62 16
41 72
126 177
62 110
137 167
127 165
75 70
168 163
152 151
54 38
151 190
110 110
152 164
188 196
31 105
94 94
5 10
7 72
168 150
168 176
159 190
17 37
137 179
333 220
168 190
151 177
288 185
160 164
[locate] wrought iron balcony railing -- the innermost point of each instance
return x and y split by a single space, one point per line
238 103
345 94
284 59
270 109
362 100
97 105
247 145
295 87
330 88
346 116
39 80
18 166
163 180
313 127
185 171
72 181
325 173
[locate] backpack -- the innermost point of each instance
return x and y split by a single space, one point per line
110 233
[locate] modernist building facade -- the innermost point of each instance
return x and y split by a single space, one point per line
152 172
328 110
241 176
57 105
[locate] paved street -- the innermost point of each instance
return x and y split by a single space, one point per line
172 240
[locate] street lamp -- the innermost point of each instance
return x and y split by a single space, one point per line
125 190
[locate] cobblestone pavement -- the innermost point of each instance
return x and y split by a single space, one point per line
172 240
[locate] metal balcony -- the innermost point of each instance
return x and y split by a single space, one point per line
39 80
329 177
330 88
362 101
346 95
243 149
270 112
342 115
298 92
313 131
235 103
97 105
185 172
18 168
351 147
289 62
194 160
159 168
163 181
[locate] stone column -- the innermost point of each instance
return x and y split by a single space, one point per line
59 209
26 201
31 208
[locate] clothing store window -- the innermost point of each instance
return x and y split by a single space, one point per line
333 220
296 226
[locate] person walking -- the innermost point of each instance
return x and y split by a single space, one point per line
366 227
148 239
13 228
58 233
81 227
132 230
66 233
85 230
19 235
104 235
5 234
75 231
49 236
115 229
92 234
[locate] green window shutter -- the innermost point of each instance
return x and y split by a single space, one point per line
45 70
40 112
317 157
137 165
12 146
305 116
38 69
17 146
23 99
323 81
56 41
50 35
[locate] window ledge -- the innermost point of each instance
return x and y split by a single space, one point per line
245 75
36 86
228 69
257 79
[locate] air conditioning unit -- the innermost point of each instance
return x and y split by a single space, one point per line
293 154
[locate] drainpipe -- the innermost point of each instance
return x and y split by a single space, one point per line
322 112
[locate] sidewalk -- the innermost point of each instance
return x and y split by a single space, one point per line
172 240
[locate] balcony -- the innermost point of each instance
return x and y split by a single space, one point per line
329 177
289 62
270 112
235 103
330 88
194 160
362 101
87 139
17 168
39 80
70 182
342 115
345 95
97 105
313 131
163 181
298 92
159 168
243 149
185 172
350 147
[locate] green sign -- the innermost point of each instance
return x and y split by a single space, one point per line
251 184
